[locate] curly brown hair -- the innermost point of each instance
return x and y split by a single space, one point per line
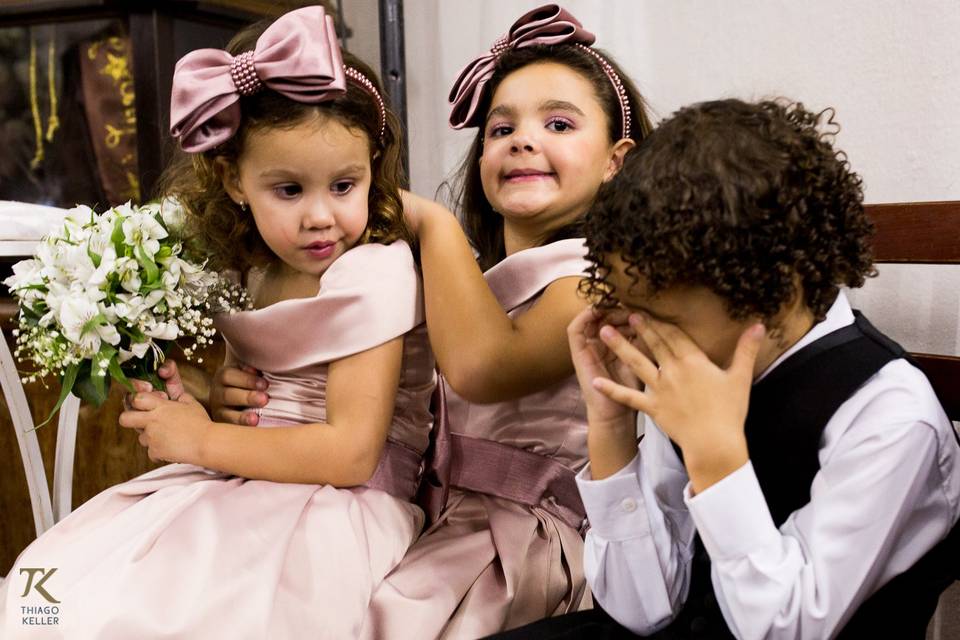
751 201
483 225
225 233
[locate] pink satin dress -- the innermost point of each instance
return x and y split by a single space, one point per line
184 552
489 563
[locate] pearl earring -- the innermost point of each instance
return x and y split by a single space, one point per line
243 205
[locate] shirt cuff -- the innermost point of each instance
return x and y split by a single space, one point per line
615 505
732 516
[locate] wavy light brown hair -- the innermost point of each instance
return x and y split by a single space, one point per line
751 201
227 235
483 225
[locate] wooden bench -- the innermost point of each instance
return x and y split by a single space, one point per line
927 233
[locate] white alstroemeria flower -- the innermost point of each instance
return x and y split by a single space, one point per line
47 255
163 330
57 294
76 314
25 273
137 350
99 241
129 307
98 278
152 298
124 210
75 223
73 264
170 281
128 270
142 229
194 279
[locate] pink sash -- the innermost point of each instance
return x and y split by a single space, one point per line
488 467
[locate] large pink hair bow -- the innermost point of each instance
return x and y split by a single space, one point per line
297 56
548 24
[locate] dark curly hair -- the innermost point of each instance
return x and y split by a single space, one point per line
218 228
750 201
483 225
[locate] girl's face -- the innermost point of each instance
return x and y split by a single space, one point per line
546 147
307 187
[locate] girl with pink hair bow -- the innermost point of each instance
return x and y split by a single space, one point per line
555 119
293 177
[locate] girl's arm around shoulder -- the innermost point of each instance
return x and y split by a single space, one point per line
344 451
485 355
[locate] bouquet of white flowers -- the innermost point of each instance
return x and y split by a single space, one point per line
108 294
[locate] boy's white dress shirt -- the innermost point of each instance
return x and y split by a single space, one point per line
887 491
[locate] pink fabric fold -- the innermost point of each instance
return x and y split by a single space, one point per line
297 56
368 296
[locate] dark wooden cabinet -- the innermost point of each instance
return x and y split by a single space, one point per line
84 107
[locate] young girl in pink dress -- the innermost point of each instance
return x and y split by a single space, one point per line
555 120
268 532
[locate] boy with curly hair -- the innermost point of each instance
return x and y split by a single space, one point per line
797 477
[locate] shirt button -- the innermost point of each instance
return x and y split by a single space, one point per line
629 505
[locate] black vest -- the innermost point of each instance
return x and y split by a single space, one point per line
787 414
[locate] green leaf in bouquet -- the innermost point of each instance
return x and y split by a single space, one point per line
153 272
133 333
117 236
165 252
66 386
94 256
93 323
117 374
32 316
91 388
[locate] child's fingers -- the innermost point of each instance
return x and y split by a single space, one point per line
578 329
745 356
675 339
620 394
146 401
142 385
173 383
242 379
242 418
640 364
242 398
652 339
133 420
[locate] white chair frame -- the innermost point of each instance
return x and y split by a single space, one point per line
48 509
